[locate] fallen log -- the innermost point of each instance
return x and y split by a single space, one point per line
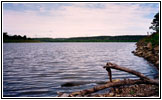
110 84
138 74
143 80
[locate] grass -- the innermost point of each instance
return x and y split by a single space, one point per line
132 92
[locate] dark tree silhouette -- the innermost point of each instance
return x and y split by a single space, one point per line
24 37
5 36
14 38
155 23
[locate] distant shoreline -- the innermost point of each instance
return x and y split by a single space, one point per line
124 38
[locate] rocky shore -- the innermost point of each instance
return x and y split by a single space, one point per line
137 90
148 51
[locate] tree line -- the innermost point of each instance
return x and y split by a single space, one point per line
16 38
124 38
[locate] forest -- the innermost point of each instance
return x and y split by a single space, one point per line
16 38
124 38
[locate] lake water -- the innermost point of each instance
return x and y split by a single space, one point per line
39 69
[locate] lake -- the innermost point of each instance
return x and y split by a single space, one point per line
39 69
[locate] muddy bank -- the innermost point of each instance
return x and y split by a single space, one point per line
148 51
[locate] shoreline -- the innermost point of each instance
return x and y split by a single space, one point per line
148 52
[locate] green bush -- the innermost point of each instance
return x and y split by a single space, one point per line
154 39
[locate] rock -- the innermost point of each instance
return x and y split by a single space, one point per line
139 53
148 54
140 48
117 95
136 86
157 63
111 94
147 51
117 90
64 95
67 85
133 51
149 45
71 84
156 48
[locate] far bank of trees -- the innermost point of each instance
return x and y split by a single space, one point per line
16 38
124 38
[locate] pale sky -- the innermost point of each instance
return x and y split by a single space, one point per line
58 20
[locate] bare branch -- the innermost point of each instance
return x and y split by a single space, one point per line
138 74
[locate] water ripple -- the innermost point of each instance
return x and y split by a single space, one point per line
39 69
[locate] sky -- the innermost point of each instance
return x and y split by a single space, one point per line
62 20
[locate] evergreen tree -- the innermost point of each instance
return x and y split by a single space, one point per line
155 23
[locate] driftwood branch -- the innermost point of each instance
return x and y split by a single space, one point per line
138 74
101 87
109 73
143 80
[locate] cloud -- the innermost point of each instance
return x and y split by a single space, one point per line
80 19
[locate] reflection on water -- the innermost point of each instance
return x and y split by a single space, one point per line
39 69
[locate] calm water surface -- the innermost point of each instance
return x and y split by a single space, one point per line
39 69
